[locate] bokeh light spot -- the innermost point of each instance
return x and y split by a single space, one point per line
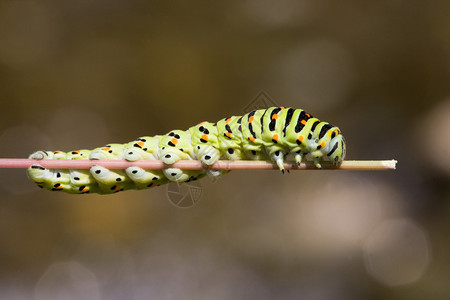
435 129
397 252
68 280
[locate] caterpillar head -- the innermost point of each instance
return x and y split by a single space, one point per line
336 151
111 151
331 146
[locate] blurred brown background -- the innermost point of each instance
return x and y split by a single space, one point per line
80 74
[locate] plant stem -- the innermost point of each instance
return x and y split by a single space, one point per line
14 163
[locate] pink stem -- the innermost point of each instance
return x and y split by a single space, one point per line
14 163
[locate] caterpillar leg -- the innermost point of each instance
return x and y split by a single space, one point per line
40 176
317 163
278 158
170 155
208 155
139 150
215 173
54 180
299 156
134 154
317 157
82 182
111 181
177 175
65 183
81 177
37 173
146 178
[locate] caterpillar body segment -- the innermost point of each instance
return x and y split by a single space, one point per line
144 148
205 137
175 146
265 134
230 138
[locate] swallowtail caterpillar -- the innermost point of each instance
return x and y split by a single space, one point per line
264 134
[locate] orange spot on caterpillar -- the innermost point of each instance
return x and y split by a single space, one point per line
322 143
250 119
303 122
84 190
140 144
201 123
106 148
275 137
118 188
174 141
282 107
274 117
251 139
300 138
57 186
204 137
228 120
228 134
58 151
308 115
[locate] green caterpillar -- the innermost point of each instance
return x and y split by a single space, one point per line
265 134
